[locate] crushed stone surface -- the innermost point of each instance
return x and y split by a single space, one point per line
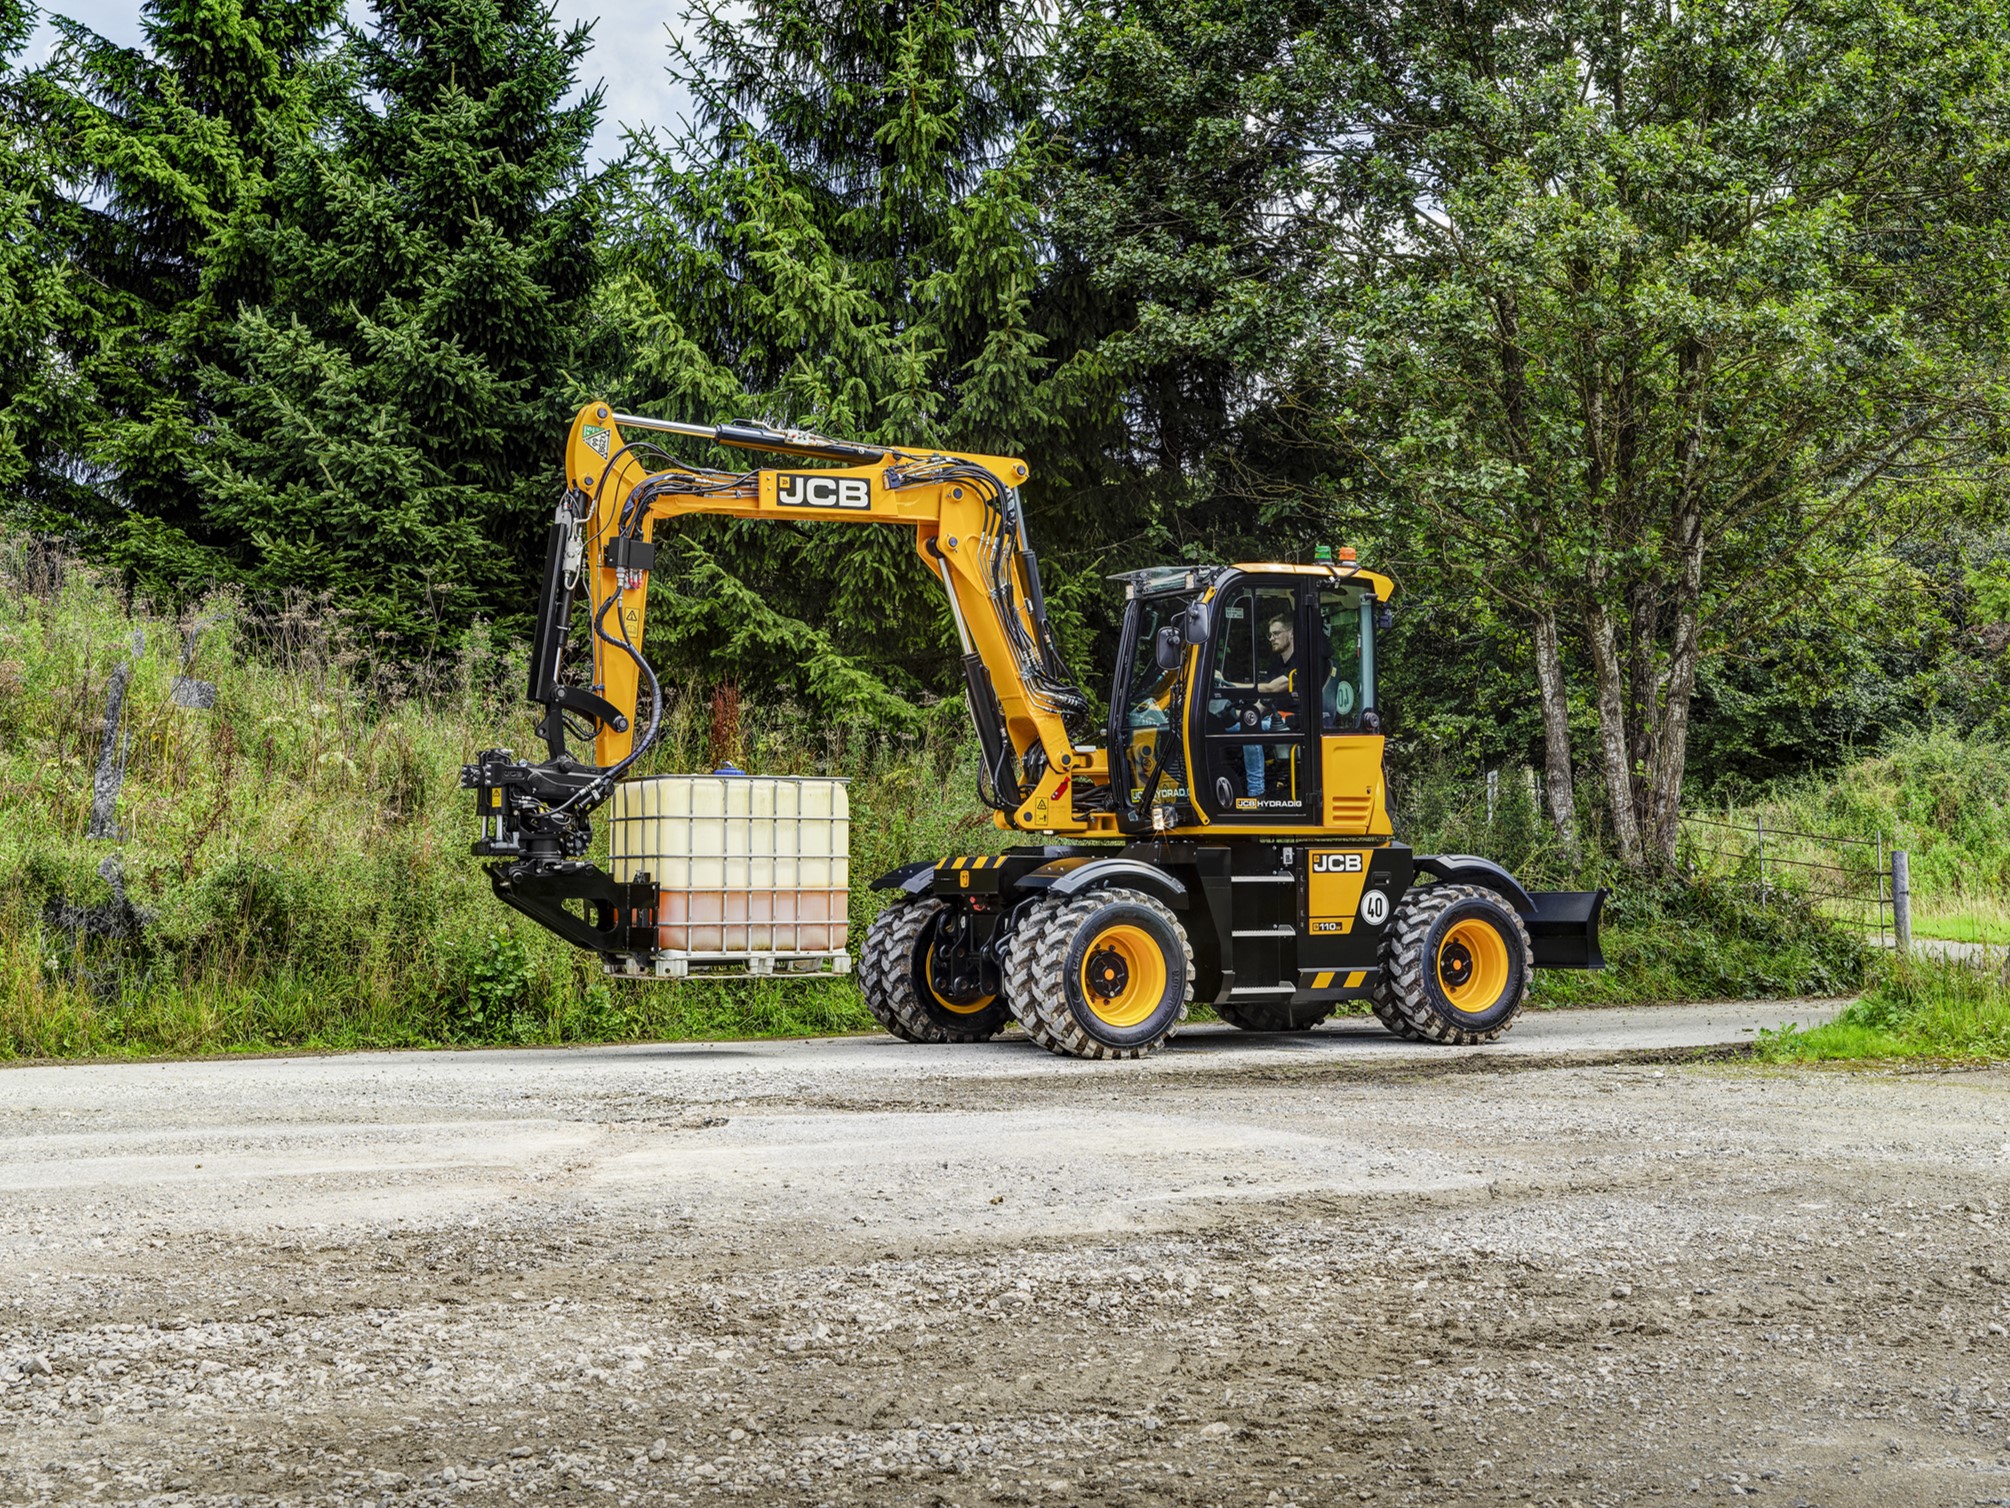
892 1275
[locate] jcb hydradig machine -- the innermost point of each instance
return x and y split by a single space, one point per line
1224 837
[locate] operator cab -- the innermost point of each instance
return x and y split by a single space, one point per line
1246 698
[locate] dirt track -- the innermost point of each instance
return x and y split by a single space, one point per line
1322 1272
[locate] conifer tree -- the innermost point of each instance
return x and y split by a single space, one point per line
168 150
845 238
390 421
1188 226
38 298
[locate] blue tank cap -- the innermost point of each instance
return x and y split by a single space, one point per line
727 769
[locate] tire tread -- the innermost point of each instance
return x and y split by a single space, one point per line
1036 974
1401 999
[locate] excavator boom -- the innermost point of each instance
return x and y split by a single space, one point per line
970 531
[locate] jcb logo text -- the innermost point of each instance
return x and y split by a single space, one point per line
796 489
1336 863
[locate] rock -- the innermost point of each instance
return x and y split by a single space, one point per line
1217 1429
659 1449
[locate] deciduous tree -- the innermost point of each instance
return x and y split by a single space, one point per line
1656 321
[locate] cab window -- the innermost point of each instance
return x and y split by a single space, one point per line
1347 684
1149 695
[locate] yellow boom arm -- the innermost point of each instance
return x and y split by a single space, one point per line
963 510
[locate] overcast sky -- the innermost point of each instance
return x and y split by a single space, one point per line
630 48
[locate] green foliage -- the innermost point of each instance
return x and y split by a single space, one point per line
847 239
39 294
160 163
1664 940
1190 234
300 853
496 1004
1613 381
386 418
1918 1008
1667 941
1942 797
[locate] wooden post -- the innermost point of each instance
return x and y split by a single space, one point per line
1901 900
1878 877
1760 823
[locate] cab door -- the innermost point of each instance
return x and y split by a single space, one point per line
1343 709
1257 750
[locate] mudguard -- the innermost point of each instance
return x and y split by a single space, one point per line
1470 869
1071 876
909 879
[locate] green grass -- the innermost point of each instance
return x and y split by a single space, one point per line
301 855
1942 797
1978 921
1672 942
1663 941
301 851
1916 1008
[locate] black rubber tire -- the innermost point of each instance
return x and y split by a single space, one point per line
1410 991
1048 957
1022 947
1272 1015
893 978
1387 1013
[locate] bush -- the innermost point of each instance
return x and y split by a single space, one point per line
1670 940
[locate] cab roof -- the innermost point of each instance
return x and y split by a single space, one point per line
1193 578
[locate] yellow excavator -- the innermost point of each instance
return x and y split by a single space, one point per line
1223 837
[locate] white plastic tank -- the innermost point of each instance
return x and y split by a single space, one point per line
745 864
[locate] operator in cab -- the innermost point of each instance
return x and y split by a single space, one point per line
1278 681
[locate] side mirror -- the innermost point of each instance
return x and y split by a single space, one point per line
1385 617
1193 624
1166 647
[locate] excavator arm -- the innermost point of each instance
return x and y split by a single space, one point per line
1041 770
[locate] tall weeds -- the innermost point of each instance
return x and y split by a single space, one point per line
299 851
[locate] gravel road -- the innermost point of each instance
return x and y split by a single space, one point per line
1320 1270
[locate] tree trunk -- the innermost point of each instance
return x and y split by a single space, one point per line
1557 774
1645 677
1614 760
1665 799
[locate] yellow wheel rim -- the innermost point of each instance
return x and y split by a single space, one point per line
959 1007
1123 975
1473 966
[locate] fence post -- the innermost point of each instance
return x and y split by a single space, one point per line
1901 901
1877 878
1760 823
1493 794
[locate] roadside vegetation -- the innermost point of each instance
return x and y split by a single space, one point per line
1942 797
291 864
1921 1008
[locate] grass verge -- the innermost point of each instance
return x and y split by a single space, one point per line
1915 1008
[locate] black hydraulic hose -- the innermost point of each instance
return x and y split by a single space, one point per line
598 786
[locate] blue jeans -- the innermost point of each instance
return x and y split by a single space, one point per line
1252 763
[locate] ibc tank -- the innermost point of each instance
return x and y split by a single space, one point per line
745 864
